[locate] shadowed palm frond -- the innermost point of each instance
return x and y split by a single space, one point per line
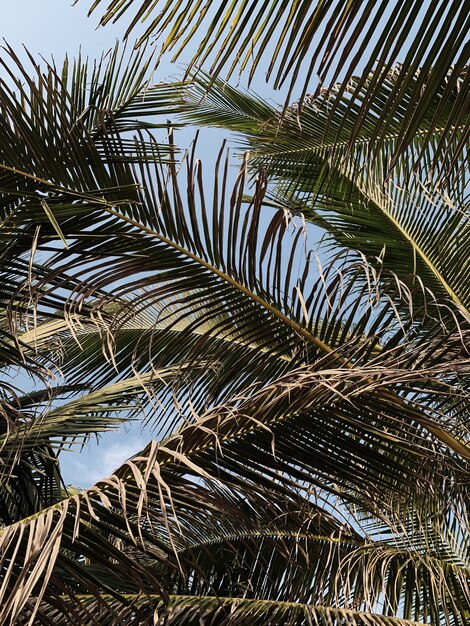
326 40
306 399
317 403
160 495
351 190
190 610
330 399
195 272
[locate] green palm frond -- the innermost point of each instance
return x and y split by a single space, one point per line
72 421
325 39
310 395
60 132
208 273
221 274
404 216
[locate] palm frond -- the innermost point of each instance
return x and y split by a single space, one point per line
322 393
251 451
191 610
326 40
404 216
214 273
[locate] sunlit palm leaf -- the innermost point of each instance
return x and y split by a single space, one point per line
293 42
405 217
349 406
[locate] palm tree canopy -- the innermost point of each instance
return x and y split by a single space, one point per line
364 196
309 404
327 40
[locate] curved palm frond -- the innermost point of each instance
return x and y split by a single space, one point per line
53 128
190 610
158 494
316 385
320 386
216 271
208 278
351 190
325 39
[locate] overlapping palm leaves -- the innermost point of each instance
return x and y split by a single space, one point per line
37 130
326 41
420 229
321 392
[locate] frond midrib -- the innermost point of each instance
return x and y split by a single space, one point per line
344 171
385 620
345 144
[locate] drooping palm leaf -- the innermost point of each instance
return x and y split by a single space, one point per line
294 42
151 483
419 229
350 404
326 328
190 610
206 255
277 407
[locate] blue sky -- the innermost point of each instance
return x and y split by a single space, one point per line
53 27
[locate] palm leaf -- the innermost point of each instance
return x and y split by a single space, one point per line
326 39
139 490
191 610
208 259
405 216
350 404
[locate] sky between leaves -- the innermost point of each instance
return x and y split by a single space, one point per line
54 28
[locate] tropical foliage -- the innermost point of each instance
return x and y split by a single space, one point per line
295 334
